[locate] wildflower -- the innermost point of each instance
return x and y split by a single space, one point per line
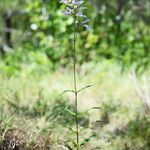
74 8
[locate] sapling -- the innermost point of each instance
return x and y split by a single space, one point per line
74 8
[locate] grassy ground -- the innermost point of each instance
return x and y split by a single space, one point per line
33 114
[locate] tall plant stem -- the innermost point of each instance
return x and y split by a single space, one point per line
75 82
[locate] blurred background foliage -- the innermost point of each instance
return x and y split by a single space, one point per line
36 32
36 67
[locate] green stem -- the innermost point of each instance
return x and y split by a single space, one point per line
75 83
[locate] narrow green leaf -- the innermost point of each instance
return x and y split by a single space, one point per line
71 91
70 112
83 129
92 109
69 128
88 86
68 146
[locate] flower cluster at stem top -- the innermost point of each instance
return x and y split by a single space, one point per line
74 8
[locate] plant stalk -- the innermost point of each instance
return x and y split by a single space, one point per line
75 83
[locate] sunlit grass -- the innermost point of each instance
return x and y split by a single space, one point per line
38 96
